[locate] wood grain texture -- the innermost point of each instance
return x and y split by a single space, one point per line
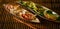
7 20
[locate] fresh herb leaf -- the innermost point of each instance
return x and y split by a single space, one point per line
41 13
49 12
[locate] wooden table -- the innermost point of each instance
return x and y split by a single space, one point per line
8 21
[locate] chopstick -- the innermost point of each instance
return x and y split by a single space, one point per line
18 20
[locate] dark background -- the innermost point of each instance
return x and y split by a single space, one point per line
7 20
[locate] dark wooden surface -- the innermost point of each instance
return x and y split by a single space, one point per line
8 21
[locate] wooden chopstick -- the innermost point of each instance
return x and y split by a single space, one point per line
18 20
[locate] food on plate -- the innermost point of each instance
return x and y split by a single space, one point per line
29 4
33 6
50 15
22 13
41 10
